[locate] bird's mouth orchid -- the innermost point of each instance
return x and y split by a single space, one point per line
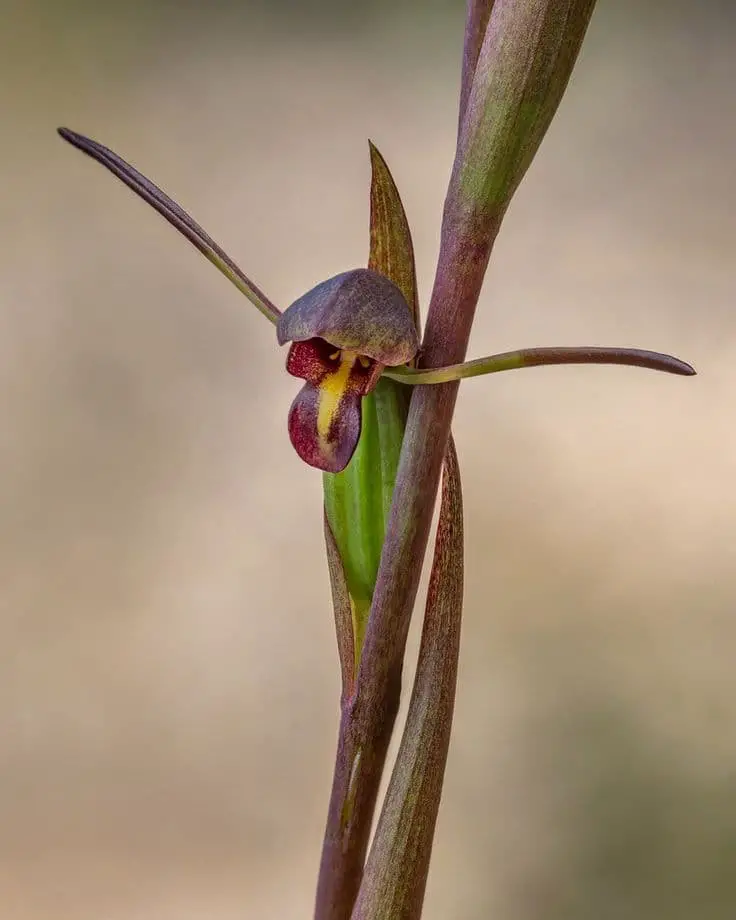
347 332
343 333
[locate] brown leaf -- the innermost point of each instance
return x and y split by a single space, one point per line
395 875
476 20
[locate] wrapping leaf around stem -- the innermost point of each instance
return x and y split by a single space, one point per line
396 870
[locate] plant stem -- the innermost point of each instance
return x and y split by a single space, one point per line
449 320
359 766
395 875
368 715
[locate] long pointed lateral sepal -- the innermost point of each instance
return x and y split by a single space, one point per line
522 66
395 875
542 357
175 215
357 504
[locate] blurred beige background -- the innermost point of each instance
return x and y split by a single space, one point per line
168 677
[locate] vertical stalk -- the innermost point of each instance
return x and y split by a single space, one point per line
395 876
368 715
520 71
359 764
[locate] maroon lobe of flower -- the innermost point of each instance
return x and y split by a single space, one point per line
343 333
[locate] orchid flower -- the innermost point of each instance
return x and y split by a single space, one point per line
346 333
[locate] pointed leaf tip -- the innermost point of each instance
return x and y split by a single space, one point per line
391 248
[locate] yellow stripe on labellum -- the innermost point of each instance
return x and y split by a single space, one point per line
331 391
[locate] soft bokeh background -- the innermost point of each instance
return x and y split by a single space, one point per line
168 678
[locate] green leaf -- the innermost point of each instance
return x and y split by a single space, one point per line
354 508
176 216
395 874
358 499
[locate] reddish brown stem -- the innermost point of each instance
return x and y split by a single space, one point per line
368 716
359 763
449 320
